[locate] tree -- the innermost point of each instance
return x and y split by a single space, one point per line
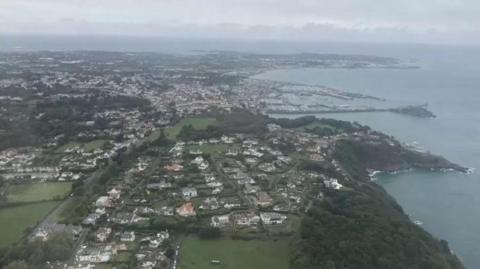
186 132
162 139
209 233
18 265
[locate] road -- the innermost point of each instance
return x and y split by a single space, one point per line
176 255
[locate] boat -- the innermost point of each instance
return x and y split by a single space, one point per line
418 222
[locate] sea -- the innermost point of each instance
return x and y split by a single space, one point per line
448 80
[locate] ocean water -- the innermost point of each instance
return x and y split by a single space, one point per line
448 204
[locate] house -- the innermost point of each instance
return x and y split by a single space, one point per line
332 184
195 152
189 193
198 160
316 157
91 219
159 186
163 235
174 167
127 236
165 211
203 166
41 235
94 254
210 203
272 218
186 210
46 229
220 221
231 152
103 201
246 219
217 190
250 189
214 184
103 234
227 140
263 199
114 194
209 178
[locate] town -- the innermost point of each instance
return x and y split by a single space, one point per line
131 160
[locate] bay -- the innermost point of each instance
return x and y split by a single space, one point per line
448 204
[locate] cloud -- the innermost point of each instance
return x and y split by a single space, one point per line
451 20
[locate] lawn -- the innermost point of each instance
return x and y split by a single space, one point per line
64 147
14 220
93 145
36 192
197 123
234 254
210 148
88 147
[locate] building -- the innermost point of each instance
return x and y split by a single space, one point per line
103 201
210 203
263 199
332 184
103 234
127 236
250 189
246 219
97 254
189 193
159 186
186 210
272 218
174 167
114 194
220 221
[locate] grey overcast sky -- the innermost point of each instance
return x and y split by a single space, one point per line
434 21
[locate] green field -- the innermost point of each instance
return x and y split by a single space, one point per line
234 254
197 123
64 147
211 148
88 147
93 145
36 192
14 220
317 124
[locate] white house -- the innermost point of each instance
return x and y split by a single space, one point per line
114 194
103 201
332 184
127 236
272 218
189 193
220 221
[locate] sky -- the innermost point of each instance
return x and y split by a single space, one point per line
420 21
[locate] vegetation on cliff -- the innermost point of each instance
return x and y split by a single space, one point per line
361 226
